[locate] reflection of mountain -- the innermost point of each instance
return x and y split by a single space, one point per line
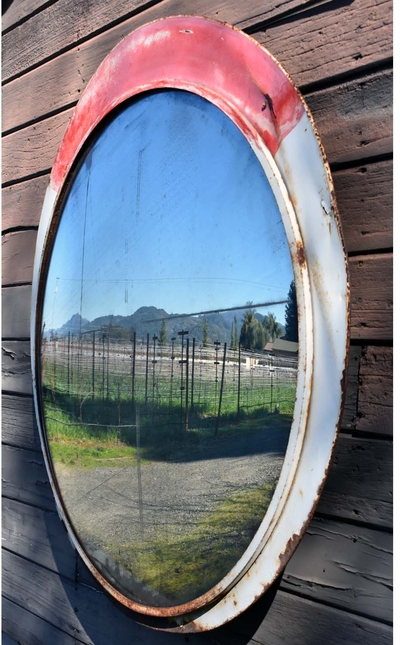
219 325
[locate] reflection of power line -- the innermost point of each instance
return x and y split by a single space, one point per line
217 311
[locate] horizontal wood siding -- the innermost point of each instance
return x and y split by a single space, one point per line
337 587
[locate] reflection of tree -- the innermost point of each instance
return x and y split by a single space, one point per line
272 327
252 333
205 332
234 334
291 321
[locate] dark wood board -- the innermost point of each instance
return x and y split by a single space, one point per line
38 535
16 312
99 621
15 12
290 42
344 566
364 196
331 39
71 21
22 203
375 400
18 250
25 478
349 415
359 483
26 628
19 422
371 296
16 367
355 119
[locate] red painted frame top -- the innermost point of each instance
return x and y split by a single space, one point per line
195 54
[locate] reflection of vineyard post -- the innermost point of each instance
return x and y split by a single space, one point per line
181 362
216 363
68 358
72 362
147 368
238 399
221 391
133 341
271 373
54 368
139 473
108 365
193 350
93 362
173 339
154 375
187 385
104 365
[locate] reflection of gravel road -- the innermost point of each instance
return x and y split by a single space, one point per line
104 502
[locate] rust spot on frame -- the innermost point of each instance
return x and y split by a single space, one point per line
301 257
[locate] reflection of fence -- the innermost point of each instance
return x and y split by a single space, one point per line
182 383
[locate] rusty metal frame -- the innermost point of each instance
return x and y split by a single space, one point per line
236 74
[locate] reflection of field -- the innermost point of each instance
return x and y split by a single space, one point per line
91 398
166 468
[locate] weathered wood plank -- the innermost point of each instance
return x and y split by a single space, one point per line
375 403
19 423
371 296
97 619
17 11
359 482
303 622
344 566
25 478
29 629
18 250
349 416
22 203
39 536
16 311
364 196
290 619
16 367
71 21
354 119
33 149
331 39
355 47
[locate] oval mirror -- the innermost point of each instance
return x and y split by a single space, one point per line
177 332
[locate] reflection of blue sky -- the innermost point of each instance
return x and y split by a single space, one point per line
172 209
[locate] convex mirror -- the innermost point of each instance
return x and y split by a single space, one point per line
189 319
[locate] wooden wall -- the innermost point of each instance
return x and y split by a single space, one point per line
337 587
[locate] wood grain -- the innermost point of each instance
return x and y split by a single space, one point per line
290 619
349 415
25 627
38 535
25 478
18 250
354 119
17 11
19 423
16 312
71 21
16 367
364 196
344 566
22 203
359 483
331 39
371 296
375 400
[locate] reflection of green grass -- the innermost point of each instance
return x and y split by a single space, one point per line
185 566
84 446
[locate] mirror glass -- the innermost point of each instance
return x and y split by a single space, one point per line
169 347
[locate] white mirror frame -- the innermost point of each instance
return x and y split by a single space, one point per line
232 71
